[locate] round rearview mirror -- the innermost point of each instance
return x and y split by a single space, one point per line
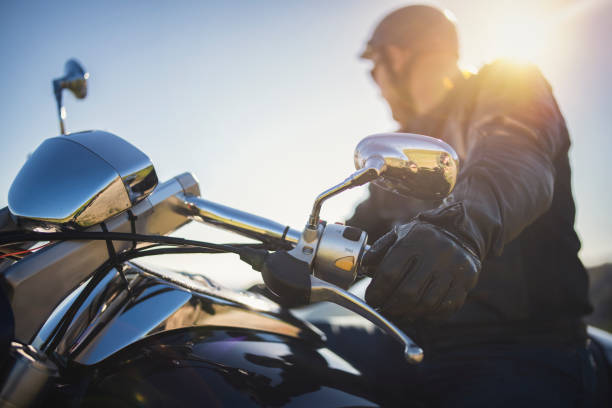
413 165
74 79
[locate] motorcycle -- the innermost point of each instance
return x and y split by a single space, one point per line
94 327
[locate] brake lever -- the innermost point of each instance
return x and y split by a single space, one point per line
321 291
291 281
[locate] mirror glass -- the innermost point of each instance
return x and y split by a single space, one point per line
413 165
80 180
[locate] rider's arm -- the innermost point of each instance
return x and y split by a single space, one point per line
508 175
506 183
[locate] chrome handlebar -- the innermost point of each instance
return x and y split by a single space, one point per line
240 222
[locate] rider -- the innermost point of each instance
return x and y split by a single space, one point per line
489 281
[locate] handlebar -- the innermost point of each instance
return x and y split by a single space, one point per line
240 222
302 274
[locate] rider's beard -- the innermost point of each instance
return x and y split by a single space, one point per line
404 109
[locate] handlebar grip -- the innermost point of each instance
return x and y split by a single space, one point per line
374 255
288 278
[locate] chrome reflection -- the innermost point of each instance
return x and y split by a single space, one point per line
322 291
241 222
133 166
414 165
70 262
113 318
80 180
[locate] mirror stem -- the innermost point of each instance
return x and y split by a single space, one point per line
61 113
371 171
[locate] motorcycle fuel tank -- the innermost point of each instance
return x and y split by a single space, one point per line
163 344
221 367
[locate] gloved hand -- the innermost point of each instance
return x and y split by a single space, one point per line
424 271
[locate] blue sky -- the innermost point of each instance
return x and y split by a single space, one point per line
264 101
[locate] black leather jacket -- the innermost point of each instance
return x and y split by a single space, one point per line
515 185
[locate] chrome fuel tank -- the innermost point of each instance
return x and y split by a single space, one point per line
113 316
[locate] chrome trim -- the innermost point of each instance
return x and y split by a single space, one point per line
162 300
363 175
63 183
308 245
414 165
26 373
338 258
241 222
133 166
322 291
80 180
204 286
40 281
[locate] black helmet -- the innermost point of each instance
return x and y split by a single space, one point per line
419 28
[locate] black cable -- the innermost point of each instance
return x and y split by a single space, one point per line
20 236
246 251
60 329
165 251
112 257
132 219
62 326
249 254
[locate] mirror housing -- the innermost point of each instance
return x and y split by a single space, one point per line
80 180
74 79
412 165
404 163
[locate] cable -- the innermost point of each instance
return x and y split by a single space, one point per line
19 236
250 253
165 251
62 326
27 251
60 329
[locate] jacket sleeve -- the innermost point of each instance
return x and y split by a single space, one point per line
515 133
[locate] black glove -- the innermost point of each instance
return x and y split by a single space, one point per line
425 270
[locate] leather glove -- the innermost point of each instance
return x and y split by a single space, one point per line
425 270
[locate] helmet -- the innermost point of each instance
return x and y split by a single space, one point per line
419 28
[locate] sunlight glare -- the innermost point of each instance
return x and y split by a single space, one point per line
523 39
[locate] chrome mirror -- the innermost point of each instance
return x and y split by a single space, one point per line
410 164
75 80
405 163
80 180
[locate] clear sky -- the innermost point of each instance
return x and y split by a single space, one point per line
264 101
